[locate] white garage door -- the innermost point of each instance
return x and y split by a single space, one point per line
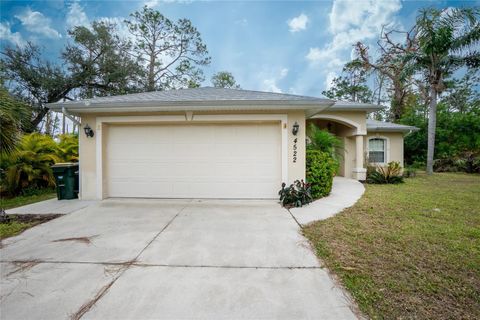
193 161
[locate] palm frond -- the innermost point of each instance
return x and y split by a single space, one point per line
29 165
468 39
325 141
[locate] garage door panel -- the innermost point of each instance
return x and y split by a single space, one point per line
140 189
193 161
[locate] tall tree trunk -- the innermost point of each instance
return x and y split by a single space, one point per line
63 123
380 87
397 102
151 73
37 120
48 124
432 123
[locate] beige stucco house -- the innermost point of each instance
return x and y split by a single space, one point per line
215 142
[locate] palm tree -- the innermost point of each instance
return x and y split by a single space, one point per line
14 117
68 148
29 165
448 40
325 141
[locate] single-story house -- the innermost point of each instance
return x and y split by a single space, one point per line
215 142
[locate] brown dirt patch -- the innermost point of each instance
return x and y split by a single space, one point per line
34 218
84 240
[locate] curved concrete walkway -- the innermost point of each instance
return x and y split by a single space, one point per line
345 192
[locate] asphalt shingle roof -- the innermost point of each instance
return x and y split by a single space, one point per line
351 106
374 125
209 98
196 95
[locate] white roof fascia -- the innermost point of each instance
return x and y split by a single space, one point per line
392 129
182 106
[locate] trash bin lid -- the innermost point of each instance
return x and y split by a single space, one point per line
65 164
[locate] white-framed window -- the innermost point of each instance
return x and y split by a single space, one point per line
377 150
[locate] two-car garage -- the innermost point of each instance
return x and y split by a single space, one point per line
214 143
222 160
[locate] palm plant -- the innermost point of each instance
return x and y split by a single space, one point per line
68 148
448 40
14 117
325 141
29 165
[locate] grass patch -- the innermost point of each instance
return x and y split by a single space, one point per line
410 250
36 196
20 222
13 228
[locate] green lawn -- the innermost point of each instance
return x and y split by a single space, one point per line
19 225
20 222
40 195
409 251
13 228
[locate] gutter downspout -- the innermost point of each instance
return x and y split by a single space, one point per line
69 116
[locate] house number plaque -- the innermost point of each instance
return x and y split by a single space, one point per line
295 150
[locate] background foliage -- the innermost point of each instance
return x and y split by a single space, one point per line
428 74
28 166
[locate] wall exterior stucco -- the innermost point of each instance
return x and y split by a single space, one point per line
87 152
295 162
296 170
394 145
348 126
349 157
350 119
90 179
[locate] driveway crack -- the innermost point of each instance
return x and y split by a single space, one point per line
124 267
160 232
295 219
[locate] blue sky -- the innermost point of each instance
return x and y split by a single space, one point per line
282 46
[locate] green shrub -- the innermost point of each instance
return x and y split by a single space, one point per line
29 165
320 170
27 168
68 148
389 174
409 172
297 194
324 141
466 162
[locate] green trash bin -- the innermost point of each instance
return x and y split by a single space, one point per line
66 178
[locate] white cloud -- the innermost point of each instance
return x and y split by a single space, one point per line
350 22
347 14
121 27
242 22
13 37
298 23
270 84
326 55
329 79
152 3
36 22
76 16
315 54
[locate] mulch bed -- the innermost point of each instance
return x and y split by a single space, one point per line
33 218
17 223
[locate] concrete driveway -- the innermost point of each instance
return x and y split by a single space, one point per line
168 259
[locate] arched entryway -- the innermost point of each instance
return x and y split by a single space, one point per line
352 135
